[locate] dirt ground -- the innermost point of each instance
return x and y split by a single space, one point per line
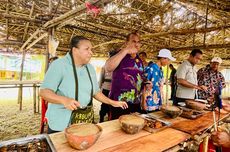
15 123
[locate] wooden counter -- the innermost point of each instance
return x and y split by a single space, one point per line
113 137
159 141
198 125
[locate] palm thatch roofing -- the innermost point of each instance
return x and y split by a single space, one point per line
179 25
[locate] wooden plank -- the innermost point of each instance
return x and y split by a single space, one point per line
155 142
112 135
195 126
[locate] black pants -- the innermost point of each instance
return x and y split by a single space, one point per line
173 91
104 107
116 112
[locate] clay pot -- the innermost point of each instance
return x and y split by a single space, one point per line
82 136
171 111
195 105
131 124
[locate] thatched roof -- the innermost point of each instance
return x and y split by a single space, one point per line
179 25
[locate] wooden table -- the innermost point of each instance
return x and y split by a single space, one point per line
198 125
114 138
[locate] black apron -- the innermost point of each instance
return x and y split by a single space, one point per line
80 115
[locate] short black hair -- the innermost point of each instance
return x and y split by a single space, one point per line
130 34
150 62
75 41
171 65
143 53
196 51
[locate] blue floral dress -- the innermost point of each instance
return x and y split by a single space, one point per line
154 74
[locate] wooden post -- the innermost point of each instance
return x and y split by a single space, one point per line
38 98
34 97
20 90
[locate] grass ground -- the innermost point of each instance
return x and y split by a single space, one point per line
15 123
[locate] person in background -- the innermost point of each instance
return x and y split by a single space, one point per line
172 79
127 78
210 77
69 85
152 98
105 85
187 78
143 57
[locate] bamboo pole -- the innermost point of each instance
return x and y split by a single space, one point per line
184 32
7 20
35 41
27 24
20 17
71 14
29 39
206 22
212 46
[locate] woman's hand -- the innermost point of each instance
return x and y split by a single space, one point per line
121 104
71 104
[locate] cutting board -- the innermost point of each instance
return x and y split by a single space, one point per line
112 135
159 141
195 126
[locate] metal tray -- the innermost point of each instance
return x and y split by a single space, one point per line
38 143
151 119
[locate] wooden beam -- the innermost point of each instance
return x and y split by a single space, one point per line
27 24
109 42
7 20
212 46
187 31
29 39
12 16
71 14
35 41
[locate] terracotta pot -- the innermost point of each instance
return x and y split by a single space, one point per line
131 124
195 105
82 136
171 111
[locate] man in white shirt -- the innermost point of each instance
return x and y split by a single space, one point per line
187 78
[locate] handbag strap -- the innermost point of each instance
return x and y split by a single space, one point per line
76 80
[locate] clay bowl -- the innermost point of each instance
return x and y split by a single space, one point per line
195 105
131 124
171 111
82 136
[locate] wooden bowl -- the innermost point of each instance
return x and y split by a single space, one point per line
131 124
171 111
195 105
82 136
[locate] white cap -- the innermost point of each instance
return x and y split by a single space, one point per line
165 53
217 59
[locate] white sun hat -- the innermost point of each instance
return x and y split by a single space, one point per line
165 53
217 59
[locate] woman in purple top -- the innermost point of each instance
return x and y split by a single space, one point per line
127 76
